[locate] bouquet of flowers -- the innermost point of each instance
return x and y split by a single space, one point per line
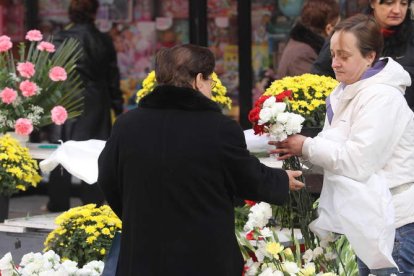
18 170
84 233
219 91
308 94
265 254
41 87
48 263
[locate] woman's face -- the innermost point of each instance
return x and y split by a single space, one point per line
347 60
390 13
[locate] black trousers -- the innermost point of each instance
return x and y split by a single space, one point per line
59 191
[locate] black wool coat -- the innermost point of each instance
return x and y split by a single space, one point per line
99 73
170 170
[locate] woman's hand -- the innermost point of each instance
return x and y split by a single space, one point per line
294 184
292 146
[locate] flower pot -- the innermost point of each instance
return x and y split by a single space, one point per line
4 207
22 139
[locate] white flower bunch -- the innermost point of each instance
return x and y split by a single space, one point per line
259 216
277 121
47 264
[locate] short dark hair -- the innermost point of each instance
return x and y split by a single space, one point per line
317 14
367 32
83 11
179 66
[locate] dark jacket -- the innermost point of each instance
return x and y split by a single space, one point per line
403 54
100 76
170 171
300 52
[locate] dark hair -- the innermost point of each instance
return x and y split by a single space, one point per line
396 44
367 32
179 66
317 14
83 11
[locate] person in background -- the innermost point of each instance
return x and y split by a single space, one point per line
100 76
317 19
397 29
366 150
172 168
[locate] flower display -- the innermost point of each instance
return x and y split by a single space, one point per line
270 115
265 255
308 94
218 92
42 78
84 233
18 171
48 263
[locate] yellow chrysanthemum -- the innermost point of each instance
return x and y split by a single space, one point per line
18 170
308 95
219 92
274 248
88 228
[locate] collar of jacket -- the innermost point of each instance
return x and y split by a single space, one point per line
302 34
173 97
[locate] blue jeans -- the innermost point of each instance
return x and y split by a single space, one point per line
403 255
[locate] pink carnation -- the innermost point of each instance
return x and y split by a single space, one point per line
57 73
26 69
28 88
5 43
23 126
59 115
34 35
8 95
46 46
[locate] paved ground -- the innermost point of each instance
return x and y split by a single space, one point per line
22 243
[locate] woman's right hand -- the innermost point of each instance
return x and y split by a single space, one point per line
294 184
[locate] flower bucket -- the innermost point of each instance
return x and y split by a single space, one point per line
22 139
4 207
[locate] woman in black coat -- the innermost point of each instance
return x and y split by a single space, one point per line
398 32
173 166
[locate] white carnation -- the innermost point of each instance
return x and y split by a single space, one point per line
269 102
6 263
265 116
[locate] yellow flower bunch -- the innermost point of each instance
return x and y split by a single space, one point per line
84 233
308 95
18 170
219 91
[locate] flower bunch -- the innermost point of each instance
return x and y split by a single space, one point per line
270 115
18 170
48 263
218 92
84 233
308 94
41 87
265 254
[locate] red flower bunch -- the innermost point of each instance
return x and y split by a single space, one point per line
255 112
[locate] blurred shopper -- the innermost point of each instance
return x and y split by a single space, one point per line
397 28
316 22
100 75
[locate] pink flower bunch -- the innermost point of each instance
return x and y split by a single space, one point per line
19 108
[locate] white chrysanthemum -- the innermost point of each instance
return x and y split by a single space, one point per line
308 256
70 266
259 216
265 116
6 263
269 102
291 267
97 266
266 232
317 251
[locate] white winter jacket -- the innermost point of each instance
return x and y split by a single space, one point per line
367 153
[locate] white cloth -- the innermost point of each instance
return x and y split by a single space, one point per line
79 158
257 143
366 150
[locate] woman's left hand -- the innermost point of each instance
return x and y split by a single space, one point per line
292 146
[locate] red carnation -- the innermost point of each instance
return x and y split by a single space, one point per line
285 94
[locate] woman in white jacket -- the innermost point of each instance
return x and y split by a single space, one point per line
367 152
